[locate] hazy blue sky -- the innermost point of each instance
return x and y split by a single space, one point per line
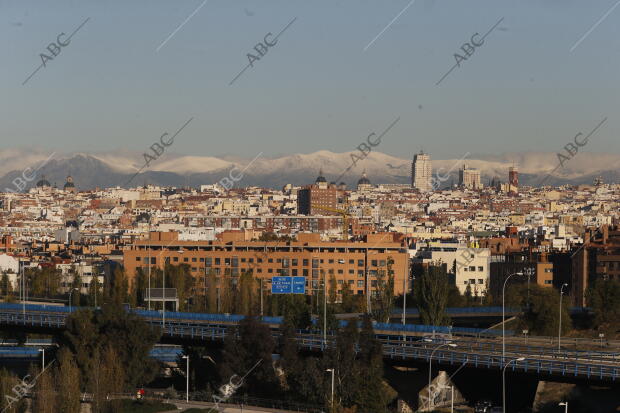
523 90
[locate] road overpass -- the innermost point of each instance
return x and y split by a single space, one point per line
473 348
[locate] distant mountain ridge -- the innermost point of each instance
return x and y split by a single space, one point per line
116 169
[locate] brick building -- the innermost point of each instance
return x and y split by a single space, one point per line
354 263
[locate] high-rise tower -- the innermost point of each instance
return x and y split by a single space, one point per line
421 172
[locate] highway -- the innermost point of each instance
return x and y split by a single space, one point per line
476 349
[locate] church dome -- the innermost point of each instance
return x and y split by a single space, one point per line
43 183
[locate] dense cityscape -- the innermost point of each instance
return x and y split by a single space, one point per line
387 255
343 206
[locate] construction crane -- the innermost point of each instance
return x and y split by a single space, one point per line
342 212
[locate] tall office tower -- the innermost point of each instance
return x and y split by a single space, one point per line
421 172
469 178
513 176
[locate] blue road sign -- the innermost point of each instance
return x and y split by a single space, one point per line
299 285
281 285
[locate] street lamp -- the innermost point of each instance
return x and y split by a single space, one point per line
504 314
71 292
565 404
525 335
504 381
430 365
187 379
601 336
42 350
560 323
332 398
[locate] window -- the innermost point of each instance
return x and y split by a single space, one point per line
305 262
242 259
226 261
305 272
360 283
360 263
295 262
208 261
472 281
294 272
340 271
480 269
373 283
472 268
360 274
351 262
360 292
194 259
270 260
185 259
351 282
250 260
382 263
285 263
259 260
138 259
548 281
194 269
351 271
465 282
217 261
270 270
548 269
480 281
202 260
340 282
331 271
331 261
373 263
465 269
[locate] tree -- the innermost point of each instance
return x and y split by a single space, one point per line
44 394
604 299
126 333
372 395
245 299
384 300
212 293
95 292
11 400
543 315
342 358
251 351
431 290
5 285
332 296
67 379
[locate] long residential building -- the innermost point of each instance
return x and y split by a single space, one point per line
357 264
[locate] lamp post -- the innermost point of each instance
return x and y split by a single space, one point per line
560 323
332 396
42 350
504 314
601 336
504 381
430 365
565 404
71 292
186 379
525 336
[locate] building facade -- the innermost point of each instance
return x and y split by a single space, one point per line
421 172
357 264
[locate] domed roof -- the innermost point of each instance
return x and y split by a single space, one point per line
320 178
363 180
43 183
69 183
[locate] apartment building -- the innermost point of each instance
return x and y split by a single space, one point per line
354 263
